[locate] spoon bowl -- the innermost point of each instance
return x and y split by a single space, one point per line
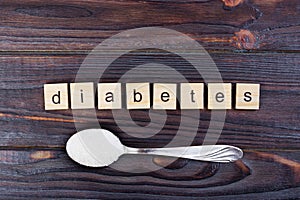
95 147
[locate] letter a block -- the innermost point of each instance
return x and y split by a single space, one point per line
138 95
82 95
164 96
219 96
56 96
109 96
247 96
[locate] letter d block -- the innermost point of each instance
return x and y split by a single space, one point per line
56 96
138 95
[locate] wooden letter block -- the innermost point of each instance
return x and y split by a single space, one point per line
56 96
138 95
247 96
109 96
219 96
82 95
164 96
191 95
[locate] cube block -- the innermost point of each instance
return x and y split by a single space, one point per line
191 95
82 95
164 96
109 96
56 96
219 96
247 96
138 95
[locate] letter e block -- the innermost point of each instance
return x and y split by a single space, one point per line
109 96
247 96
56 96
219 96
138 95
191 95
82 95
164 96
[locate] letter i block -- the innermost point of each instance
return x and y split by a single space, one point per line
164 96
219 96
109 96
247 96
82 95
56 96
138 95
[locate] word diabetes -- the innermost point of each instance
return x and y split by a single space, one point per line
145 95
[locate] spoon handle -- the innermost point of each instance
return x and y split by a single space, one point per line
211 153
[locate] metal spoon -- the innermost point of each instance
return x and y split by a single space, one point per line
100 147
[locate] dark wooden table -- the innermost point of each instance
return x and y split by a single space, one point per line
255 41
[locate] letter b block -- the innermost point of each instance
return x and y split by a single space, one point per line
56 96
138 95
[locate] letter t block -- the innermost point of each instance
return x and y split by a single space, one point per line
191 95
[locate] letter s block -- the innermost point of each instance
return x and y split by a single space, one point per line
56 96
138 95
247 96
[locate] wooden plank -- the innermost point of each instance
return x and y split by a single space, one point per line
32 26
266 68
24 122
50 173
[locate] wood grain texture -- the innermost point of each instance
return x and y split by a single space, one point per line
77 26
251 41
32 173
